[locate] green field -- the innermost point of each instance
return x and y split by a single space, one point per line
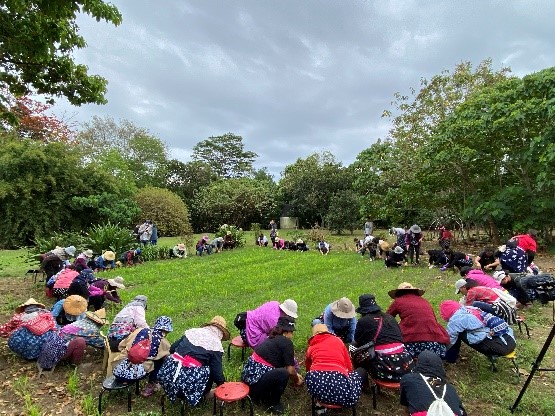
193 290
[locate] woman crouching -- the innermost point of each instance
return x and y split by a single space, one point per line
330 378
195 362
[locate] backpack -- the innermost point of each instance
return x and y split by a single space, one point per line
439 406
139 351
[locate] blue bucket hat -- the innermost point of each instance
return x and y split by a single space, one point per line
163 323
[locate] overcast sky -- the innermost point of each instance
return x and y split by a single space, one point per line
294 77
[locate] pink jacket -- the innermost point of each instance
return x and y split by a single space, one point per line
483 279
261 321
65 278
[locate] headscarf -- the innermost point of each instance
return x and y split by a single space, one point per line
429 365
208 337
447 309
163 323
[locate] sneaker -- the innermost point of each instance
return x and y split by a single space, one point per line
150 389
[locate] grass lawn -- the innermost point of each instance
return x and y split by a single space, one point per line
193 290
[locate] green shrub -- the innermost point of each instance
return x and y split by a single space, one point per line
111 237
237 233
255 228
64 239
155 252
316 233
166 210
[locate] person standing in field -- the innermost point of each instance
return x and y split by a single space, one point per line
273 232
368 227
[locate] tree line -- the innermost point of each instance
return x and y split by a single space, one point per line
473 143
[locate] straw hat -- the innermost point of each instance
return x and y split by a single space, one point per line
343 308
220 323
289 306
28 302
117 282
319 329
75 305
109 255
404 288
98 316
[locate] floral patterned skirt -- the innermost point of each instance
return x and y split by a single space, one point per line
180 382
26 344
391 367
334 387
253 371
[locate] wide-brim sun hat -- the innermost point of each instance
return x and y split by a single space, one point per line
75 305
109 255
416 229
117 282
367 304
205 238
289 307
70 251
220 323
28 302
181 246
404 288
88 253
398 250
343 308
98 316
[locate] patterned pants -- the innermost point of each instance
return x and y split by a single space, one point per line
334 387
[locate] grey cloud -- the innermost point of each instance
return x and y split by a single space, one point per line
294 78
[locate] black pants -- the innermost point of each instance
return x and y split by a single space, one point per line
495 346
270 387
414 250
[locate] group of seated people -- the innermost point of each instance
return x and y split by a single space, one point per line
333 376
218 244
57 259
409 351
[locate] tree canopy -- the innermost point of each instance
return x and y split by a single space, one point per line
225 155
37 42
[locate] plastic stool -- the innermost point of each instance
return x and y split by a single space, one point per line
181 405
379 384
111 384
238 343
230 392
330 406
511 357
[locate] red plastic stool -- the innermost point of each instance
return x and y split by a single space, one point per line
330 406
230 392
238 343
379 384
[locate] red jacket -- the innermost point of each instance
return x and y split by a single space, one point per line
418 321
526 242
326 352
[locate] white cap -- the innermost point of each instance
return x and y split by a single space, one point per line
499 275
458 284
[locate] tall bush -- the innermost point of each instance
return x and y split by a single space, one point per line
111 237
237 233
166 210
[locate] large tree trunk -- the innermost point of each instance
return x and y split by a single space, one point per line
494 231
